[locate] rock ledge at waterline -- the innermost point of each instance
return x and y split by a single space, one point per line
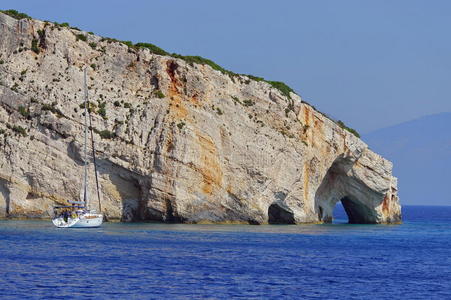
176 141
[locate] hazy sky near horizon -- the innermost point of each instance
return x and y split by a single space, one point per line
371 64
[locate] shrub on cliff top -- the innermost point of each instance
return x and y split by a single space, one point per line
81 37
202 61
282 87
351 130
154 49
128 43
15 14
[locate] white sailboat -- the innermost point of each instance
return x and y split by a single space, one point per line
78 213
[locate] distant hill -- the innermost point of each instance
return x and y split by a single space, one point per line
421 154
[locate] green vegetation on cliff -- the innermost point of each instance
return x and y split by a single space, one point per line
15 14
351 130
152 48
281 86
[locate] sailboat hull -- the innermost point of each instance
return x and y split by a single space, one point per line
87 220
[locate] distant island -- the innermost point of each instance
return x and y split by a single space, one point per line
420 150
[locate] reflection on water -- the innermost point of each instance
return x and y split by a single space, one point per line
115 228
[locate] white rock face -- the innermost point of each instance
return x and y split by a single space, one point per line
190 144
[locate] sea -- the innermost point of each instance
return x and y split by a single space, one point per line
180 261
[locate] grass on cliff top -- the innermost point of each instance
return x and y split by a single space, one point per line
152 48
351 130
281 86
15 14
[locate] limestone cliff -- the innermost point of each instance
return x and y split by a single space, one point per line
176 141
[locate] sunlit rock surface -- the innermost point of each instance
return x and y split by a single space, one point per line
176 142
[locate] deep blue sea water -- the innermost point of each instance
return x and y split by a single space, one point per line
161 261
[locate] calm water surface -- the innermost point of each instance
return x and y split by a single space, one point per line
154 261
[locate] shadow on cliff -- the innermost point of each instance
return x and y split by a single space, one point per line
133 191
4 193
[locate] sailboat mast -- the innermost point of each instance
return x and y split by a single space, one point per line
85 179
95 163
87 113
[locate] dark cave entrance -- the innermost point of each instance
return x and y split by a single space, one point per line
279 214
347 209
357 212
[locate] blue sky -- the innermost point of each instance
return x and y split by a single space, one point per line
371 64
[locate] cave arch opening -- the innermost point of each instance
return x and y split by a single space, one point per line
350 210
358 213
338 186
339 215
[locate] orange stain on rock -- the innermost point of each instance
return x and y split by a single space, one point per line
306 115
318 135
210 168
194 100
177 109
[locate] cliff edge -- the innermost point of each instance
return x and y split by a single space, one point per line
177 140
